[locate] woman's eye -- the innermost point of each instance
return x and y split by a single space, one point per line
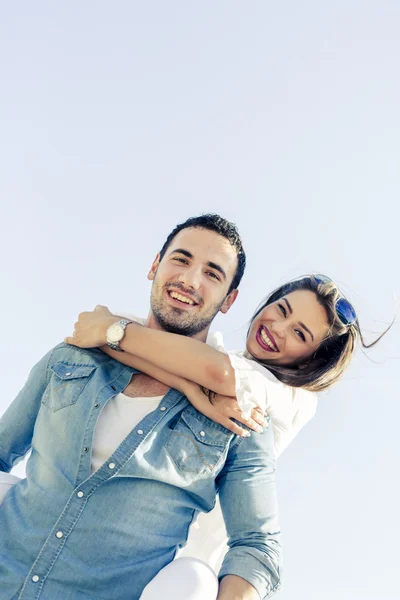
283 309
300 334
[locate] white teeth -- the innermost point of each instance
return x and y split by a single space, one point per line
266 339
181 298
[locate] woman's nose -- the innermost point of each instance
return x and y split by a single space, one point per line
278 328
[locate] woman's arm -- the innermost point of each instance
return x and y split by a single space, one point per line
222 411
182 356
177 354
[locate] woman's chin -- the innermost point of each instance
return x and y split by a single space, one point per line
260 354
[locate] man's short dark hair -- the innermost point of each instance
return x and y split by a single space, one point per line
221 226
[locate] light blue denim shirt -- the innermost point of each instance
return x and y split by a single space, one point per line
68 534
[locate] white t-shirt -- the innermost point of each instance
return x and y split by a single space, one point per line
116 420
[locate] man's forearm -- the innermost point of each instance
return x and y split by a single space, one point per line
233 587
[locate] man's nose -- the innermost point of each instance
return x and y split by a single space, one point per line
191 278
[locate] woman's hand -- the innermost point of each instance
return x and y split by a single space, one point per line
91 328
222 409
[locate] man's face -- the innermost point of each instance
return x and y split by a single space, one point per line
191 283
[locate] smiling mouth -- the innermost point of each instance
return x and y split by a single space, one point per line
181 299
264 339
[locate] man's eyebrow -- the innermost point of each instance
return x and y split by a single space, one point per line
301 324
182 251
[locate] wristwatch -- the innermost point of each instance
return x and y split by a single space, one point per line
116 333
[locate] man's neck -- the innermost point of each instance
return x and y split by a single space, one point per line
153 324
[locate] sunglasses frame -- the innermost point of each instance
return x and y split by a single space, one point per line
342 305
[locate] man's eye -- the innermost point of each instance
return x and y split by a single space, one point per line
181 260
300 334
283 309
213 275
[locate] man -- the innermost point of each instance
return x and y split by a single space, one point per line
73 531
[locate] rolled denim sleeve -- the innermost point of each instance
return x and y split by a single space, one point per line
18 422
247 492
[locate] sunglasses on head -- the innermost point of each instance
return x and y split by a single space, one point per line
344 309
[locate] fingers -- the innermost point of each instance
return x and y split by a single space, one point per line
258 416
250 423
69 340
232 410
234 427
224 420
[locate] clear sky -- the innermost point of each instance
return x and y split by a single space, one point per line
119 120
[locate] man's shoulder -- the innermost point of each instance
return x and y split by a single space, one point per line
72 354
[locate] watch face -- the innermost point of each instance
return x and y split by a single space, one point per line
115 333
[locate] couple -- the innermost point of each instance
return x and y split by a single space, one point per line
132 435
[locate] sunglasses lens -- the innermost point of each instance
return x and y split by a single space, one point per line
345 311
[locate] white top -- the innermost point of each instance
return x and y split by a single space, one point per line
288 408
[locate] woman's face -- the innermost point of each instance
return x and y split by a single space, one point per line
289 330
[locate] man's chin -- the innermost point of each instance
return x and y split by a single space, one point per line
174 326
179 323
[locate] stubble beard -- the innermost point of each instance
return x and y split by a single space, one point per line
176 320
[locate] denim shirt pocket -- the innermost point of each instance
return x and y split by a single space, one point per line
66 384
196 444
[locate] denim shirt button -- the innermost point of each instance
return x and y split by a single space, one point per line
59 534
163 408
202 433
80 494
86 449
67 374
140 431
96 405
35 578
111 465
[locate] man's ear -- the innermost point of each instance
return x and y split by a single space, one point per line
152 273
229 300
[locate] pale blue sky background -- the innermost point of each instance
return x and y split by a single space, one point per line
119 120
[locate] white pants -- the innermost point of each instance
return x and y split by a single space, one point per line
183 579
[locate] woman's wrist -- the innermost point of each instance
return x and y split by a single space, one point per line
185 386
